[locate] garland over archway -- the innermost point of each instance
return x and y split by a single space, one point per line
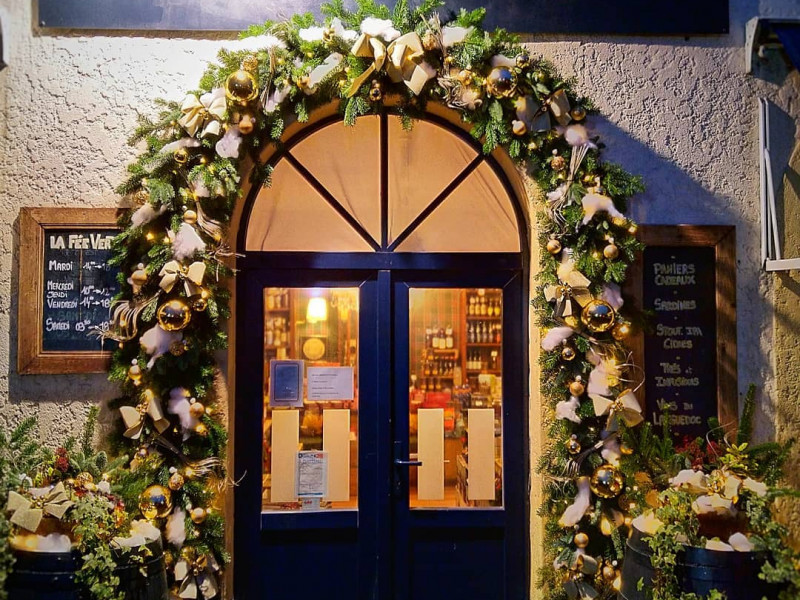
173 257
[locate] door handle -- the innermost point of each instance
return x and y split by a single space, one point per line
407 463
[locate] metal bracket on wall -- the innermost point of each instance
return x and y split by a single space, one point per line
771 253
764 34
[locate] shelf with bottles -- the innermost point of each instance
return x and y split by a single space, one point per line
440 338
277 300
481 361
484 332
483 303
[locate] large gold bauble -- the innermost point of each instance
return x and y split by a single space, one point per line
175 482
621 331
607 481
609 573
155 502
611 251
198 515
598 316
519 128
581 540
501 82
241 87
174 315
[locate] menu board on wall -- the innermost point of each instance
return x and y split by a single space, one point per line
66 288
685 283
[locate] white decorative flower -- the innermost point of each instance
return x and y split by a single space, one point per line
454 35
568 409
228 146
382 28
275 98
470 98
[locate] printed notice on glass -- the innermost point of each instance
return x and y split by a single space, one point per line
286 383
312 474
330 383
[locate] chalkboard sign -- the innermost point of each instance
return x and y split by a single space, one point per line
66 288
685 282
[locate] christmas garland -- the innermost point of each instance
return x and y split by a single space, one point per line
169 318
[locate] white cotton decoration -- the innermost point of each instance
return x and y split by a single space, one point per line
187 243
199 187
575 511
647 523
593 357
382 28
275 98
104 487
499 60
176 528
311 34
179 405
156 341
690 480
611 452
718 545
54 542
740 543
132 541
555 337
598 381
576 135
255 43
318 74
567 409
595 203
714 504
229 144
146 213
470 98
613 295
757 487
146 529
185 142
454 35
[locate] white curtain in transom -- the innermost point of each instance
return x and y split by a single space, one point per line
327 194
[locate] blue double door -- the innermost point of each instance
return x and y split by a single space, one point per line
387 545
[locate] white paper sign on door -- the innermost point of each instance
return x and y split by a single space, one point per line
330 383
312 474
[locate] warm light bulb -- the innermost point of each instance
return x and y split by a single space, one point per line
317 310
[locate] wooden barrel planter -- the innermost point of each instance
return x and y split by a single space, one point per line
699 571
51 576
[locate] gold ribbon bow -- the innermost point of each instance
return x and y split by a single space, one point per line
192 276
402 60
197 576
625 407
29 513
206 112
573 286
134 420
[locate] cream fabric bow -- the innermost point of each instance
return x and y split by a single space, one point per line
206 112
402 60
134 420
574 286
192 276
29 513
197 577
625 407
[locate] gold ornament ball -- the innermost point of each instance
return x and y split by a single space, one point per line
576 388
155 501
607 481
175 482
84 479
609 573
501 82
250 63
429 41
375 91
247 124
581 540
598 316
198 515
465 76
568 353
578 113
553 247
190 216
523 60
621 331
197 410
573 445
135 372
181 156
519 128
201 430
559 163
241 87
199 304
611 251
174 315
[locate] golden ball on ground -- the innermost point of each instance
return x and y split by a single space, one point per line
598 316
621 331
501 82
568 353
198 515
576 388
573 445
607 481
611 251
241 87
174 315
246 124
135 372
581 540
190 216
553 246
181 156
175 482
578 113
155 502
197 410
519 128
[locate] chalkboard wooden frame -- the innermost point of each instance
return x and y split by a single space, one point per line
33 225
723 239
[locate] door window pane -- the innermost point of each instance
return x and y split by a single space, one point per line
455 397
314 407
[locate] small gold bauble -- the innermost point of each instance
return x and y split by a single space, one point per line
197 410
190 216
607 481
181 156
174 315
198 515
83 479
449 60
581 540
429 41
524 60
178 348
247 124
155 501
598 316
540 77
201 430
375 91
533 146
576 388
578 113
199 304
559 163
573 445
241 87
519 128
465 76
621 331
553 246
568 353
175 482
501 82
611 251
250 63
609 573
135 372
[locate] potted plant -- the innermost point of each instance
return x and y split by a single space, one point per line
711 529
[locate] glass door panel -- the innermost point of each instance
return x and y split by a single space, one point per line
455 397
311 359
